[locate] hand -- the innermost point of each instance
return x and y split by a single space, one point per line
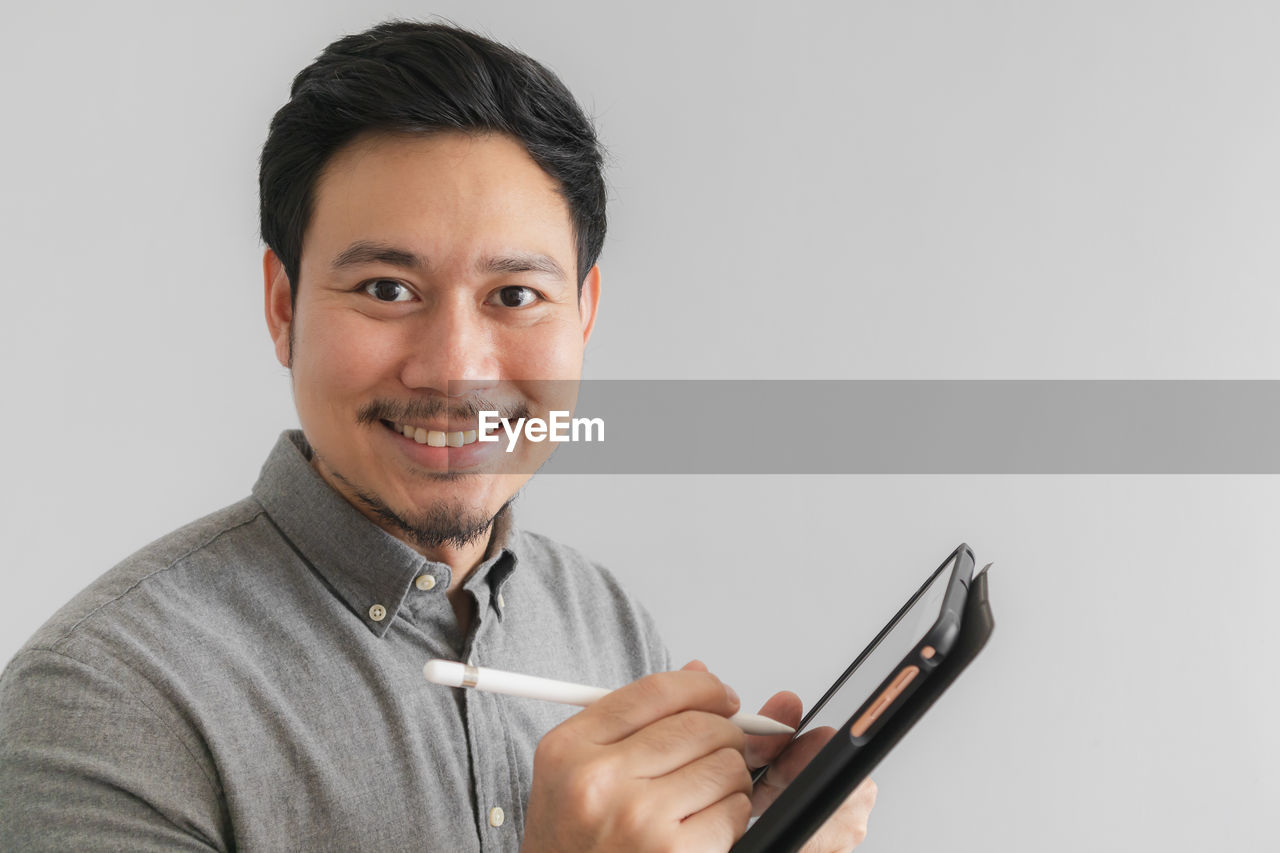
847 827
652 766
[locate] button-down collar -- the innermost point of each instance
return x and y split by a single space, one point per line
363 565
368 568
499 562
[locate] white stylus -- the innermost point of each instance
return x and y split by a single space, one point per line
454 674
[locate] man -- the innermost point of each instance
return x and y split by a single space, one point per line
433 208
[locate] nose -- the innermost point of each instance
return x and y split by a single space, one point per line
451 350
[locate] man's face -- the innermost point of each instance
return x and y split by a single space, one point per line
437 278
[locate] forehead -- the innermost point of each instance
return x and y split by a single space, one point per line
445 193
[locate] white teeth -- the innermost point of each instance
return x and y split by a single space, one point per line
436 438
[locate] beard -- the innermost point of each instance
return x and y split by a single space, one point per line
445 523
450 523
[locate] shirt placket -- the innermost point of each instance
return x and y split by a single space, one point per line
494 778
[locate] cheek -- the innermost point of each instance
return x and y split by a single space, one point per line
335 356
550 351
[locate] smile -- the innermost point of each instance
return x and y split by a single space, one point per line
434 437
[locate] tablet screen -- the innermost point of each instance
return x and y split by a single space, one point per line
877 661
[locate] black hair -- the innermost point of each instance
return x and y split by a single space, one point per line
413 77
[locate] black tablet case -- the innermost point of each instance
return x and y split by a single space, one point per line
789 835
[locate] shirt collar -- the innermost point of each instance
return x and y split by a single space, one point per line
500 559
368 568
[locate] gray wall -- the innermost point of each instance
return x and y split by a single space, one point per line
800 190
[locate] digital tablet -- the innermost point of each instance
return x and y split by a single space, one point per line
878 698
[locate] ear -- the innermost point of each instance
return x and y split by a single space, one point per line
279 307
589 302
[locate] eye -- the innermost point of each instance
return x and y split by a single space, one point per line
388 290
517 296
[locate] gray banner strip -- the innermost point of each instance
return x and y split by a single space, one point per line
927 427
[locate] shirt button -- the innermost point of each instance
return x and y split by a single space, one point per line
426 583
496 816
377 613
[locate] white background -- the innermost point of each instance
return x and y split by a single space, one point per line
800 190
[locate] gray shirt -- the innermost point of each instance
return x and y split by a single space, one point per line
254 681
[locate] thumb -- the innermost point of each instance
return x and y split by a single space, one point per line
785 707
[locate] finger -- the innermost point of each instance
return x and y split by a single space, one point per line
667 745
785 707
718 826
847 827
788 765
700 784
628 709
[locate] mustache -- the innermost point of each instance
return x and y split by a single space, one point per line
400 411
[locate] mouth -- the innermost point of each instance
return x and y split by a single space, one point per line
435 437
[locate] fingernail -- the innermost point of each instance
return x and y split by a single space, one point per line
733 695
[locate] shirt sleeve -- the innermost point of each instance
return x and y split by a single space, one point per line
658 649
90 761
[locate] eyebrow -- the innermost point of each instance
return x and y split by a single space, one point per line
522 262
373 252
370 252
